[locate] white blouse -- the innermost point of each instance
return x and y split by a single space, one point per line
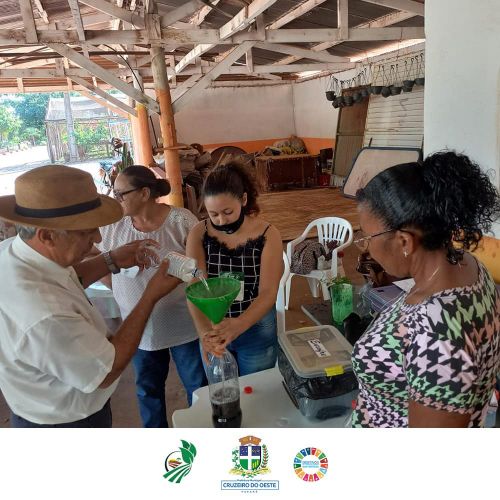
170 323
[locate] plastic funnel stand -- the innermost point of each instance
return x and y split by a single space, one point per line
215 302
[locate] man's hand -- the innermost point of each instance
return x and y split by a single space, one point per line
161 283
135 253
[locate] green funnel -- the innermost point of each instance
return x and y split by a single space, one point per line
215 302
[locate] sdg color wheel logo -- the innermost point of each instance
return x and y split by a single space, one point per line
310 464
179 462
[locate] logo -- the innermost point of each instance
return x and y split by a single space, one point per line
178 463
250 459
310 464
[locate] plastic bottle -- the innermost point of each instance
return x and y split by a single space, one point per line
224 390
182 267
179 265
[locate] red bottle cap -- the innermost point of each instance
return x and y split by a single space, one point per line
248 389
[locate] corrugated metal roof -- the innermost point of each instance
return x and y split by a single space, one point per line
81 108
321 16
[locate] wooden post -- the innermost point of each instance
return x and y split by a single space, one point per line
167 125
72 147
143 153
134 125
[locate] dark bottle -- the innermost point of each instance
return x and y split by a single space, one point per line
224 390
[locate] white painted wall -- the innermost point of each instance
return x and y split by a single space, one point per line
314 115
237 114
462 80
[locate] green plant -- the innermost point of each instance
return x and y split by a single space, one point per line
338 280
88 135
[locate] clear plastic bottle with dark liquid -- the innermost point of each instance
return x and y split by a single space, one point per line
224 390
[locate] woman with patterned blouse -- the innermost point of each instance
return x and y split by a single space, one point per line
431 358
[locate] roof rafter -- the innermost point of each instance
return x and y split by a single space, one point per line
105 75
196 36
380 22
213 73
343 18
28 21
41 11
104 103
244 17
108 97
294 13
301 53
116 12
406 5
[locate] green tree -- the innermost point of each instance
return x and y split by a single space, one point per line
90 135
9 126
31 110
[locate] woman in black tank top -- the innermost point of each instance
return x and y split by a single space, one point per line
236 240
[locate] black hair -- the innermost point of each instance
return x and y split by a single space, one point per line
141 176
234 179
447 197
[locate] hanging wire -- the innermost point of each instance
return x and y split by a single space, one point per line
140 86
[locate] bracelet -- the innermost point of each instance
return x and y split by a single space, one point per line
110 263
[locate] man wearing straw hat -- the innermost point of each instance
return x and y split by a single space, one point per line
57 367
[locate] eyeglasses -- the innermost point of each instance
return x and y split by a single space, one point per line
363 242
119 196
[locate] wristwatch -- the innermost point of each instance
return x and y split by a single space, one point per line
110 263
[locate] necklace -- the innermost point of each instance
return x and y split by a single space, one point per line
414 290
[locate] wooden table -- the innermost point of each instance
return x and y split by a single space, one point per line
287 170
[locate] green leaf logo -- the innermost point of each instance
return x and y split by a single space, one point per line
178 463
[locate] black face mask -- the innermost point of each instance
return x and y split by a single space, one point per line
233 226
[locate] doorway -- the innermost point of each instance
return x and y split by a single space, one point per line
349 137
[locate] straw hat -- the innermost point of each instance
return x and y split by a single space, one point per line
58 197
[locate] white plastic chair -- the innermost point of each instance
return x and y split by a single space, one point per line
329 229
280 299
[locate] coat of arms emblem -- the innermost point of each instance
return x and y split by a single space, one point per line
250 458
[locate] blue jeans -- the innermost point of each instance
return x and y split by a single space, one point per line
256 349
151 371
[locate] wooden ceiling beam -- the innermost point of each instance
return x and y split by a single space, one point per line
116 12
300 52
77 17
196 36
200 15
380 22
343 18
294 13
405 5
185 10
244 17
212 74
105 75
104 103
107 97
41 11
28 21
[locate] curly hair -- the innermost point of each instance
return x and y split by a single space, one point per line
447 197
234 179
141 176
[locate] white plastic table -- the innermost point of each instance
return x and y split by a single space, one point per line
267 406
102 298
